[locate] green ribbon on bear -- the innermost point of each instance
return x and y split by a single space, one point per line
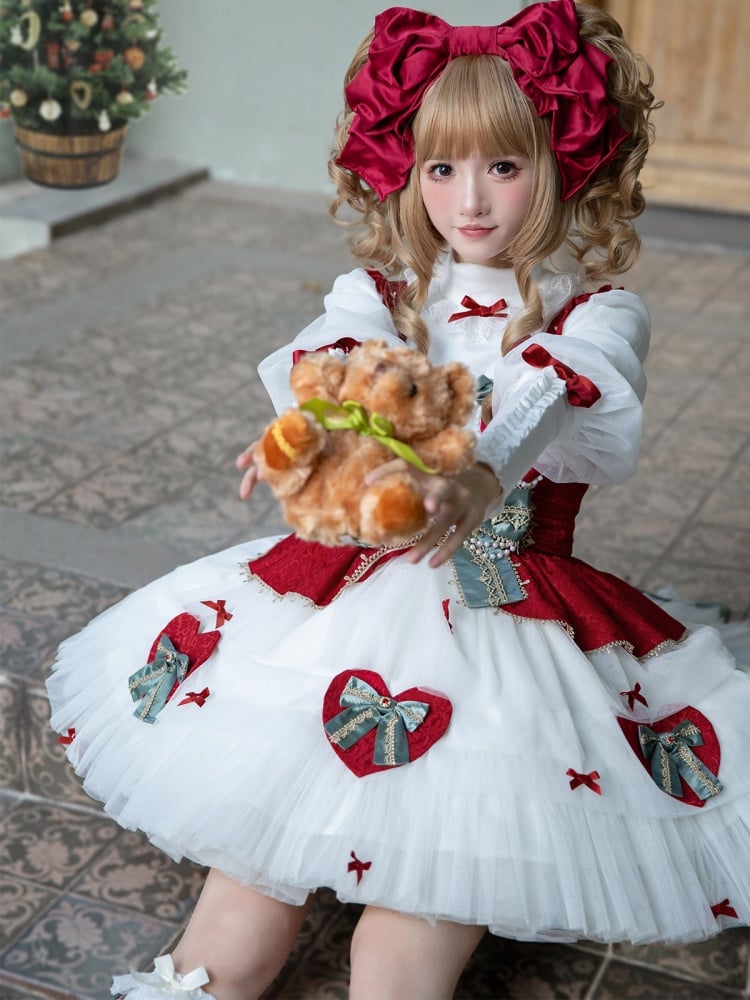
352 416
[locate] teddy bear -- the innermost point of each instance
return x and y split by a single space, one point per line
356 412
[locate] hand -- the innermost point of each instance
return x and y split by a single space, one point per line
246 461
458 502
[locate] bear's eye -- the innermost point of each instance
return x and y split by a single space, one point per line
380 367
413 391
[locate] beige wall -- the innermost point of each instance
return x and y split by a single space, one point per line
265 82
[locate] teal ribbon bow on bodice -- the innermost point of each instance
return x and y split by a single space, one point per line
154 681
364 710
672 759
484 572
353 416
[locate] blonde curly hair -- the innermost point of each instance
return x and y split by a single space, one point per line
475 106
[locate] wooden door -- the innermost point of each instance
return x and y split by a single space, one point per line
698 50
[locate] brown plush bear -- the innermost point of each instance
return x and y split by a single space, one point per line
318 472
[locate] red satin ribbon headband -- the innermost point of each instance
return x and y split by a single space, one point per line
563 76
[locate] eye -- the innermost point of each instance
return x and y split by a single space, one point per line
439 171
413 390
379 368
504 169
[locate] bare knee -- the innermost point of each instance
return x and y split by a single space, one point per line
240 936
394 956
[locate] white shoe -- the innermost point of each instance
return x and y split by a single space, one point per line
162 982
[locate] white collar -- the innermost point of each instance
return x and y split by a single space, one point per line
484 284
557 279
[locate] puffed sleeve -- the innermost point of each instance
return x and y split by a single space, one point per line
354 312
570 405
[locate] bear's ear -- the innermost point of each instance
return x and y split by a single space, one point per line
317 376
463 390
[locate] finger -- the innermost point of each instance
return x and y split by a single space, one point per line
449 547
432 537
245 458
247 485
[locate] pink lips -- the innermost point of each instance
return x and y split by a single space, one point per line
475 232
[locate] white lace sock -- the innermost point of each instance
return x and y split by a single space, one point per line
162 982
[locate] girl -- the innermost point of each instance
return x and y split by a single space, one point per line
476 730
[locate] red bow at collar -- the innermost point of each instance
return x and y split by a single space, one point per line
581 390
473 308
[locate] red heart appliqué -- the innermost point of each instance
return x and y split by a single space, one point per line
709 754
359 757
183 632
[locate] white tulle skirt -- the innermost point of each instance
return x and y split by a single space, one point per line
488 826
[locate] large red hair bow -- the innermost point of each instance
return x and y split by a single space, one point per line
563 76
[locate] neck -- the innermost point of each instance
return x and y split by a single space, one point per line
482 282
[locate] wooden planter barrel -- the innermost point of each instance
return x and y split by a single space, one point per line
71 161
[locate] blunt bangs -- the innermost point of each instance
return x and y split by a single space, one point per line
475 107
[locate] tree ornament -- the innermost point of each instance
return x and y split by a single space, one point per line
52 50
108 23
152 91
136 5
66 12
4 110
50 110
134 57
88 18
125 97
103 122
18 97
80 93
104 57
33 25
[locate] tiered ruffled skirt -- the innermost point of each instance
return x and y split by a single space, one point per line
526 804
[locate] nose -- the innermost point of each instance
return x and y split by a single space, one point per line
472 199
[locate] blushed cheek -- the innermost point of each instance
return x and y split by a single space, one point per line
435 200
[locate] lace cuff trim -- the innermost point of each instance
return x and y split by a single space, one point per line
512 443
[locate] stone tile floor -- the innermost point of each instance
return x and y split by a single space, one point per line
128 384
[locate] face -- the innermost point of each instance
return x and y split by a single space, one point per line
478 205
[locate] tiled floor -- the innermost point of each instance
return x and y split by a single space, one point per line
128 385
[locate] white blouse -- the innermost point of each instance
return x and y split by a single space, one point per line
604 339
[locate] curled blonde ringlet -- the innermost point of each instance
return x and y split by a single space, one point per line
475 106
605 237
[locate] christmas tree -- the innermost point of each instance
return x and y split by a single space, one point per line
72 67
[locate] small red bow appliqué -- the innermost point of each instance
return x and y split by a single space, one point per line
590 780
633 696
355 865
220 607
473 308
198 698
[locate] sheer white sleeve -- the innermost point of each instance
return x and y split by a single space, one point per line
534 424
354 311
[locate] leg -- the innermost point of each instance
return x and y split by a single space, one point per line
396 956
241 937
